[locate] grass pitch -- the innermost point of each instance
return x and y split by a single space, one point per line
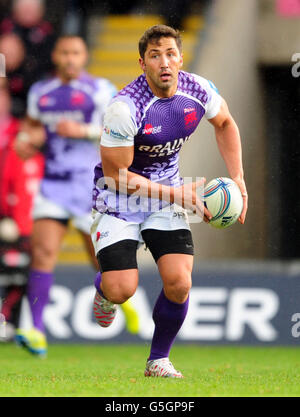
108 371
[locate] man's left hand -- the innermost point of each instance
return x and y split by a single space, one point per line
71 129
242 186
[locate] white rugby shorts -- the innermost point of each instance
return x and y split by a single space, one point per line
107 229
45 208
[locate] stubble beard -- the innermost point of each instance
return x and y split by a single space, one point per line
165 86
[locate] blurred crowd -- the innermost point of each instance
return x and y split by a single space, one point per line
26 39
28 29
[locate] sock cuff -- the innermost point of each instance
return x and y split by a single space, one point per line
172 304
97 283
34 273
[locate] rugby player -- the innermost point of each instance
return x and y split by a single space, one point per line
69 107
145 127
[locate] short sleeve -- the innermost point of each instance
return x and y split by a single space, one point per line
214 103
119 126
32 103
214 100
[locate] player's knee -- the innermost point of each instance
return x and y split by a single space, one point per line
177 293
118 294
42 255
177 288
119 298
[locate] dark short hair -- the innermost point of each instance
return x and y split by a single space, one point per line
68 36
153 35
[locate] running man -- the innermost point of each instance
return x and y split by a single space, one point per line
69 108
144 129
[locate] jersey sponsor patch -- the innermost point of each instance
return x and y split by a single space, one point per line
190 119
149 129
189 109
166 149
114 134
77 98
46 101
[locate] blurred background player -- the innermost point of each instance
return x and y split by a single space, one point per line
26 41
19 182
70 107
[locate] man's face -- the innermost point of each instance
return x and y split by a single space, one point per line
70 57
11 46
161 64
28 13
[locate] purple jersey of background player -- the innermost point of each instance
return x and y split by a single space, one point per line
69 163
161 126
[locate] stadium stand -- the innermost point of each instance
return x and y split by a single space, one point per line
114 48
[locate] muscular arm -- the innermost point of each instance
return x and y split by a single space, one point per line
115 164
229 144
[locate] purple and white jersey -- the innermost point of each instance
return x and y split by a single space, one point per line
157 128
69 163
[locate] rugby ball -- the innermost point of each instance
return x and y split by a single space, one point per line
223 198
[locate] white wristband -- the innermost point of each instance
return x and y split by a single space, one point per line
92 132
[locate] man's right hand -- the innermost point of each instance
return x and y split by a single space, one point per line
186 196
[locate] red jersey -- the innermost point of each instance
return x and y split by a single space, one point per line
19 179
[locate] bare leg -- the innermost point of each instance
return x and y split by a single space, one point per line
46 239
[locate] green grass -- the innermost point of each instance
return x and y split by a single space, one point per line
107 371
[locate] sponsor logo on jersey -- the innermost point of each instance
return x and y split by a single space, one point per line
77 98
190 119
117 135
189 109
46 101
149 129
114 134
166 149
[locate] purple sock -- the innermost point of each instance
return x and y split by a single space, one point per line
39 284
168 318
97 283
